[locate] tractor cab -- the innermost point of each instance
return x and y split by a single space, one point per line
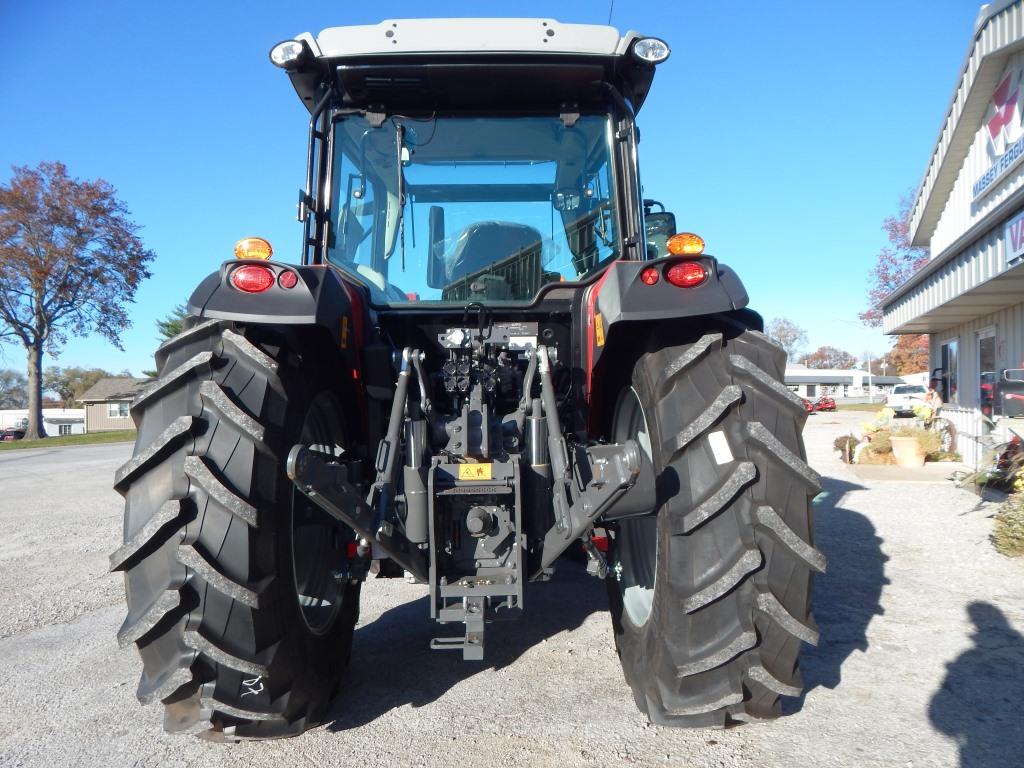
454 161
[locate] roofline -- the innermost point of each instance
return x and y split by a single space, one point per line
986 14
996 218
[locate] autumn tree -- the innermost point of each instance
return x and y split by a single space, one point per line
13 389
894 265
70 383
829 357
787 334
70 261
909 354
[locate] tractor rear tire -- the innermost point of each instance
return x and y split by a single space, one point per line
240 637
711 596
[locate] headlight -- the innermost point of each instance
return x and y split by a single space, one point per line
287 54
651 50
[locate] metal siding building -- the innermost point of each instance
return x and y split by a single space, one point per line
969 212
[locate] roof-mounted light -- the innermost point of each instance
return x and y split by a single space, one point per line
287 54
651 50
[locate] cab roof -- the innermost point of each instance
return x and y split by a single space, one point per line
471 63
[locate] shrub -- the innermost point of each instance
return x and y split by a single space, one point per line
870 456
1008 535
880 442
845 444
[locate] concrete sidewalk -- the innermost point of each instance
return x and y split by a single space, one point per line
931 472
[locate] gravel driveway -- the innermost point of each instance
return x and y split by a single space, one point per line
921 661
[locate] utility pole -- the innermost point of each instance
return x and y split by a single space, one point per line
871 399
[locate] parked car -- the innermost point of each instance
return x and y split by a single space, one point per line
904 397
824 403
808 405
8 434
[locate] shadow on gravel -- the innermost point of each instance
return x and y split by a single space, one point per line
847 597
979 702
392 663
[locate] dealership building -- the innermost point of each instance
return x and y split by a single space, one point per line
969 213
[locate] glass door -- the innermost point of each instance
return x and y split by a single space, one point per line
987 374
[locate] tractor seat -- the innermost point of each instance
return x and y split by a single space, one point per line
488 242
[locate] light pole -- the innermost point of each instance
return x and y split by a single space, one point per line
871 399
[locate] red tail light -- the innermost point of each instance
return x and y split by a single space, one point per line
650 276
252 278
288 279
686 274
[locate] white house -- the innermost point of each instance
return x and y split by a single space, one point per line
56 421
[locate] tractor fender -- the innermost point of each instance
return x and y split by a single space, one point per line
621 311
621 296
318 297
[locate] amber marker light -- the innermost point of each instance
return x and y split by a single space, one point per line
686 244
253 248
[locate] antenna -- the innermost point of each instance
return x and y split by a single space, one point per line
611 6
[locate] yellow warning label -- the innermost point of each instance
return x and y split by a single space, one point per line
344 331
599 329
474 471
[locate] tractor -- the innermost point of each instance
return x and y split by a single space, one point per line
489 350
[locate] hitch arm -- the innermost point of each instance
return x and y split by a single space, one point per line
327 485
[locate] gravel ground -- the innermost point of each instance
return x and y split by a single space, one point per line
921 661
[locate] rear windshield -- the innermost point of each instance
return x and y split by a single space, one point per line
458 209
908 389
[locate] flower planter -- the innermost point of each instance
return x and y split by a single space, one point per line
907 451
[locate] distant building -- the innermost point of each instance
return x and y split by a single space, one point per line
56 421
836 382
107 403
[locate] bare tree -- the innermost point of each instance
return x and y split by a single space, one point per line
787 334
70 260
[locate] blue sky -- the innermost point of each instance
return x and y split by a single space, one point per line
783 132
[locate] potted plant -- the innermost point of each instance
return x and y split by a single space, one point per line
911 445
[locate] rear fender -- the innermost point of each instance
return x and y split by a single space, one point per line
621 311
319 297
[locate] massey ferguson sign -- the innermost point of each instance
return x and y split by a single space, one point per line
1004 130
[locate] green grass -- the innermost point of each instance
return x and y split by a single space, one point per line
120 436
861 407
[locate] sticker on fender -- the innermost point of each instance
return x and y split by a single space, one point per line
474 471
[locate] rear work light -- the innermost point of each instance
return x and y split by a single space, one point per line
252 278
651 50
686 274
